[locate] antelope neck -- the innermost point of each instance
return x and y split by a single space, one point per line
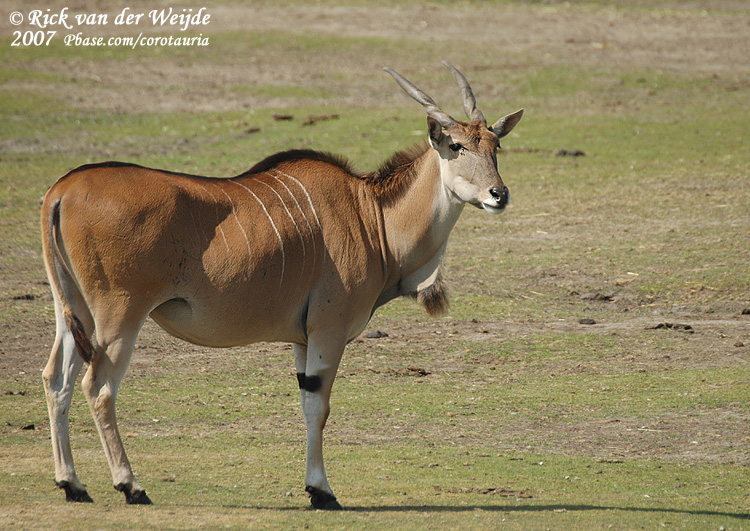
418 225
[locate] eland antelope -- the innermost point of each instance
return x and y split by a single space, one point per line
298 249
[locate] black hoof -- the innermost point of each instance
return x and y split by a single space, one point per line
72 494
320 499
134 498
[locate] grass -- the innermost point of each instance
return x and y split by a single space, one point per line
506 413
213 446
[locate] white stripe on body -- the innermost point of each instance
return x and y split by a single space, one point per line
299 233
309 199
237 219
304 216
270 219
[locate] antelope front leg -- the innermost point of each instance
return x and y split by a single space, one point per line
300 362
322 361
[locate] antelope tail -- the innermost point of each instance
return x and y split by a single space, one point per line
63 282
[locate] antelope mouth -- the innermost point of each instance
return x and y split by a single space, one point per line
492 206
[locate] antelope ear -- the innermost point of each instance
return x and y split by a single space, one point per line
506 124
436 130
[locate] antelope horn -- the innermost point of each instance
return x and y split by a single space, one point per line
427 102
470 102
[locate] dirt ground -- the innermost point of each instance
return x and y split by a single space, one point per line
677 41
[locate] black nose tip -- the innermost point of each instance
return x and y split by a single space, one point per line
501 195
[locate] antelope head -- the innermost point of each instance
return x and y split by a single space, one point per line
467 151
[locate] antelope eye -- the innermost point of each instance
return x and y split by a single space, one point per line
456 147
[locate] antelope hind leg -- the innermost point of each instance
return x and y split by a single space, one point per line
100 387
59 379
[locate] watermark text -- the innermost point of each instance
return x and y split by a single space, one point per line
48 25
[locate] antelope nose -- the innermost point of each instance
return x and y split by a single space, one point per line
500 195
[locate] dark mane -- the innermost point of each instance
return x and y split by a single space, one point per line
396 174
388 182
300 154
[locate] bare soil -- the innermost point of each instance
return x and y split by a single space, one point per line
679 41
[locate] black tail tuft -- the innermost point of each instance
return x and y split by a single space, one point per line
85 348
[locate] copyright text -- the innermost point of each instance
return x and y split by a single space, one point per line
53 24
